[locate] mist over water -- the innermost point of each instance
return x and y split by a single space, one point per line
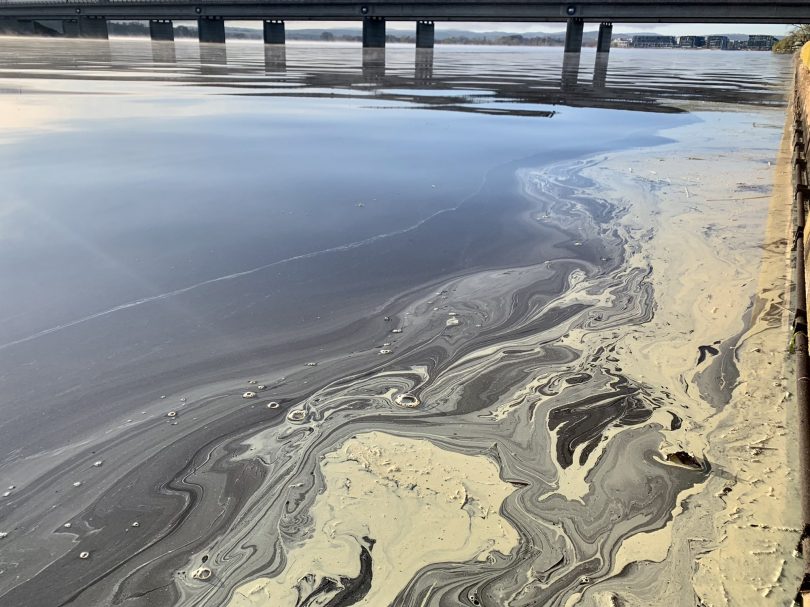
176 220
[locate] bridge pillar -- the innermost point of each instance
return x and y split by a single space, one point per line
424 34
605 35
70 28
274 32
573 35
373 32
161 29
211 29
93 27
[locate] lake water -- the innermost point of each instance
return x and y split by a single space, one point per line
176 220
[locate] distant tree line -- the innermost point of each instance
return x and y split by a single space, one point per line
139 28
794 40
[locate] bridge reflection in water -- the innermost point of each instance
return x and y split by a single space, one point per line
491 80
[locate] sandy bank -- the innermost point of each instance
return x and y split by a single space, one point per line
720 266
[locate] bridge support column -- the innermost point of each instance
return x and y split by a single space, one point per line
424 34
605 35
93 27
274 32
70 28
373 32
211 29
161 29
573 35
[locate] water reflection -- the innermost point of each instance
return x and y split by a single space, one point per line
505 80
164 52
423 69
373 64
275 58
570 70
213 59
600 70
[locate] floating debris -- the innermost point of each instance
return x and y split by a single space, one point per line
183 399
261 387
7 493
252 381
452 313
3 534
84 555
171 414
396 330
77 484
407 400
67 525
249 395
452 322
203 573
98 464
687 460
273 405
384 351
387 319
136 524
12 487
163 396
312 364
386 344
298 415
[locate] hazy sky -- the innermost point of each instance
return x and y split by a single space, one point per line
674 29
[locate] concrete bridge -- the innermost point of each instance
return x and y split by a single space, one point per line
88 18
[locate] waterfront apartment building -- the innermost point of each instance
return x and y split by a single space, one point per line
654 42
717 42
761 43
692 41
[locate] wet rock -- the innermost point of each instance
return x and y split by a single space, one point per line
272 405
171 414
386 351
203 573
687 460
84 555
249 395
98 464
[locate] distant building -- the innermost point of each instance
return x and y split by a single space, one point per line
692 41
654 42
623 42
761 43
717 42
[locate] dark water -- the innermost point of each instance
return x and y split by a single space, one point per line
173 219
